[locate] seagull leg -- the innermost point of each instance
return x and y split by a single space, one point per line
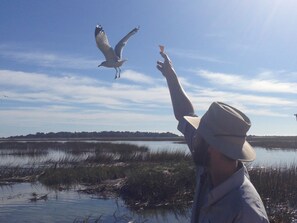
119 72
116 74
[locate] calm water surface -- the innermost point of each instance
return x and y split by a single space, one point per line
67 206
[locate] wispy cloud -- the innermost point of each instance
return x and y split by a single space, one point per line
40 87
190 54
46 59
260 84
137 77
260 105
68 115
91 93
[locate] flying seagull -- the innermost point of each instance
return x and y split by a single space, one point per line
113 57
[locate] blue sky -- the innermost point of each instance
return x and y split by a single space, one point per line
240 52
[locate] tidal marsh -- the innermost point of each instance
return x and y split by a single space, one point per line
143 179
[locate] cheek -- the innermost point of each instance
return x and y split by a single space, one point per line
208 158
212 156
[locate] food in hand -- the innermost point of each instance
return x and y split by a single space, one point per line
161 48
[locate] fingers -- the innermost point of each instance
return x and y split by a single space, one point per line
160 65
165 56
159 68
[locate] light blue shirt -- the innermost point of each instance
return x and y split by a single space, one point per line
233 201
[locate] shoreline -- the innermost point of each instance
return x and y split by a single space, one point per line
267 142
178 139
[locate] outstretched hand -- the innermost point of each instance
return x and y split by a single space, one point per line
165 67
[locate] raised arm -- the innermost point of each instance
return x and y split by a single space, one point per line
181 104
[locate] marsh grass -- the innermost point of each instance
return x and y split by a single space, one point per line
274 142
13 145
31 152
140 156
167 156
119 148
276 184
159 185
72 176
19 174
139 167
74 148
278 189
64 161
102 158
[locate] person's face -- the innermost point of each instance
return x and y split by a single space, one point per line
207 159
213 157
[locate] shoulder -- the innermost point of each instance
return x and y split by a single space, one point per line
185 127
187 130
252 208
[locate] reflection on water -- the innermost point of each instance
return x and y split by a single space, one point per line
275 157
66 206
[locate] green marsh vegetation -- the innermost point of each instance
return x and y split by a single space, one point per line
273 142
278 189
143 179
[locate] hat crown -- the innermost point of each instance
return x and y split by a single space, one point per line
223 119
224 128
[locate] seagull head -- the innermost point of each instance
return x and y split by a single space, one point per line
104 64
112 63
122 61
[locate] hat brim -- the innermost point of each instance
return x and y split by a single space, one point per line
246 153
193 120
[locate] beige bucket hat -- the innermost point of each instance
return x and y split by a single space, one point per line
224 128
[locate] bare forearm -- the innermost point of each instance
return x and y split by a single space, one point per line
181 104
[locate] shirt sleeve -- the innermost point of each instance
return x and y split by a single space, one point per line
248 216
188 131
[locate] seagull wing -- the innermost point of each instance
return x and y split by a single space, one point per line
119 47
103 44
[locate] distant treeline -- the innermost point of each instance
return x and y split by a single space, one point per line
103 134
